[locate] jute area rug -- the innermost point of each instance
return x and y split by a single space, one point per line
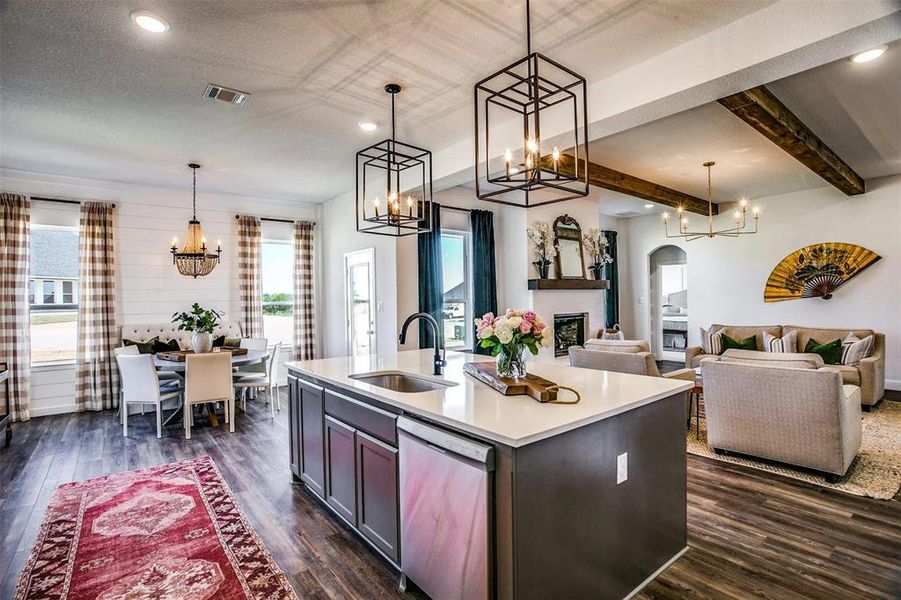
876 472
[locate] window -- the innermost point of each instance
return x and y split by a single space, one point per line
278 291
457 289
52 298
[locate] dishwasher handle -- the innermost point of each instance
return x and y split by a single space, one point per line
446 442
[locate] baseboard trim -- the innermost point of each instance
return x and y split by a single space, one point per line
46 411
657 573
893 384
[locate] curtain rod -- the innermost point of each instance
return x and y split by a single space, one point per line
61 201
273 220
469 210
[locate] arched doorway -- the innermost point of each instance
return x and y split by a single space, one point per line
668 300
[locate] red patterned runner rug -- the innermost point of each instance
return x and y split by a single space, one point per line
169 532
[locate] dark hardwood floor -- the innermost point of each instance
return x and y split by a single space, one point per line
752 535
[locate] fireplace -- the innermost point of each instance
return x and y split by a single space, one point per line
569 330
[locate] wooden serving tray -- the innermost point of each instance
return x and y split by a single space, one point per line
537 387
179 355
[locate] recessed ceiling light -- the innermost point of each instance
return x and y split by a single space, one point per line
649 206
149 21
367 125
868 55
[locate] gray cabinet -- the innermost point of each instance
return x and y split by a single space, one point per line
377 493
311 437
345 450
341 468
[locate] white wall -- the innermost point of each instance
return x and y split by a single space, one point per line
726 276
149 288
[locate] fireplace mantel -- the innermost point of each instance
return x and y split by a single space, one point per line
568 284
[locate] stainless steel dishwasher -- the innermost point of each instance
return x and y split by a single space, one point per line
446 489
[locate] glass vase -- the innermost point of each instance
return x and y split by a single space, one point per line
511 361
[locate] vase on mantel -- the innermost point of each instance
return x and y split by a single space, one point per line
511 361
597 270
201 342
543 267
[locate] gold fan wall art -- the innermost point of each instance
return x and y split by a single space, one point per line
816 271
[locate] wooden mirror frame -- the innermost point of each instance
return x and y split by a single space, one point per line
570 230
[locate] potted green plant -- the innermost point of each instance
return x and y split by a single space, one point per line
202 322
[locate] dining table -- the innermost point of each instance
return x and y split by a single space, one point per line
179 366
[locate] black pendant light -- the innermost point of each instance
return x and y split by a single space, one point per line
514 164
394 185
194 259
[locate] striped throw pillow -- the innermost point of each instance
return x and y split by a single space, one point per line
787 343
711 341
855 349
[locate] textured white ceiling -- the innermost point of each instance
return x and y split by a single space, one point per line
86 93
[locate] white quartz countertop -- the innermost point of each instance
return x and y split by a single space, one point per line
475 407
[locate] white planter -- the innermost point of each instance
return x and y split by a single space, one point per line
201 342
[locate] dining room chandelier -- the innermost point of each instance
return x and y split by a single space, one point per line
394 185
194 259
740 220
514 107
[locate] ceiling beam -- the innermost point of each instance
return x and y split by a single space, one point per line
617 181
763 111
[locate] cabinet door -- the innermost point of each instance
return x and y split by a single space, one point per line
311 435
377 494
341 468
294 425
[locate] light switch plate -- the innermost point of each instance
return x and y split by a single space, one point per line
622 467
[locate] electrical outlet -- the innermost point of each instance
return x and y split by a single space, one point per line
622 467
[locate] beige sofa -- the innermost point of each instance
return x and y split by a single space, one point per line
869 376
622 356
169 331
784 409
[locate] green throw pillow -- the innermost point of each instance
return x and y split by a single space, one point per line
749 343
831 352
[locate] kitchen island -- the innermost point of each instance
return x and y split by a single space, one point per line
581 501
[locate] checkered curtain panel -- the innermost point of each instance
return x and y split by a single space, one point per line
304 328
15 349
96 375
249 251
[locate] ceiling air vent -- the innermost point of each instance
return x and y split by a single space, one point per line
218 92
626 214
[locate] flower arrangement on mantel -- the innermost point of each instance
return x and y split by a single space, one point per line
202 322
508 336
595 243
540 236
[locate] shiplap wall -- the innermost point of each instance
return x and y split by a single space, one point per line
149 289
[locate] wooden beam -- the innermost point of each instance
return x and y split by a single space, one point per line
763 111
610 179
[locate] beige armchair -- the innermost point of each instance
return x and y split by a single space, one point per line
636 363
800 415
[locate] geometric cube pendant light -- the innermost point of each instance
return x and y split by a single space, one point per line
516 110
394 185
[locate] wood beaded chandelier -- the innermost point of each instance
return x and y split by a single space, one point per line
194 260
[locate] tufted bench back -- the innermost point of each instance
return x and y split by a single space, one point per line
168 331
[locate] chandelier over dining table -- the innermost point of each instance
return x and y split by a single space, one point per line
514 108
194 259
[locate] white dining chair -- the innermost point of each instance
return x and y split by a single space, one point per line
168 379
141 385
268 381
256 369
208 378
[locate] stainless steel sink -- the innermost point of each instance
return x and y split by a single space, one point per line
402 382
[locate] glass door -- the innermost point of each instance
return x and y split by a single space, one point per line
359 288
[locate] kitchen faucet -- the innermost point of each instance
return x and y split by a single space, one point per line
439 348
